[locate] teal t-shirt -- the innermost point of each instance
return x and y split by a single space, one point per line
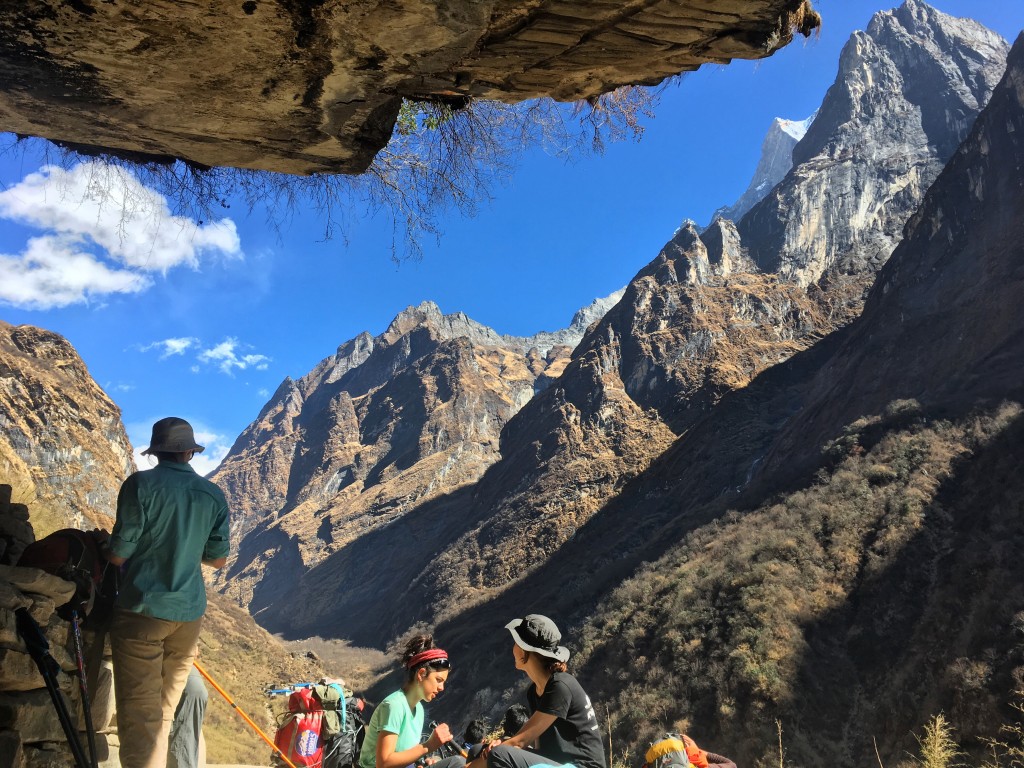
393 716
169 519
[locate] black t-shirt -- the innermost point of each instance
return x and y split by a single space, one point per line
575 736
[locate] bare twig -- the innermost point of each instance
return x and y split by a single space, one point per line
439 158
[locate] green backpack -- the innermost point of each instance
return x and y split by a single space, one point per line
340 730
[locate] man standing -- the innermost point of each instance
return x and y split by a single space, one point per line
169 522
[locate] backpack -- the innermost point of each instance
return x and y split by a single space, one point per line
343 727
298 732
677 751
77 557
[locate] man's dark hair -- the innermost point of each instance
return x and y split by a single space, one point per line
167 456
515 718
476 731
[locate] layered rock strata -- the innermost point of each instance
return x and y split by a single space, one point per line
63 447
315 87
907 93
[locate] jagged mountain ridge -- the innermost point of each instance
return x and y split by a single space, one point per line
696 324
382 426
909 89
63 447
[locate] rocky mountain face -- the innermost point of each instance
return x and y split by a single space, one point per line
868 575
378 429
63 447
907 93
959 278
775 162
703 320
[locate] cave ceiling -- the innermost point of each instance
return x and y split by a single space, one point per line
314 86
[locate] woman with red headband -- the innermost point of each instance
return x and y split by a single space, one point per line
394 737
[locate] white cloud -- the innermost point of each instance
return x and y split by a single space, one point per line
173 346
217 447
227 357
263 392
54 272
104 233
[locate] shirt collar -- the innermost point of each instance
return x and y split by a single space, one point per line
176 466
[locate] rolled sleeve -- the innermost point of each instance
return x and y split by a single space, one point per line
130 522
218 545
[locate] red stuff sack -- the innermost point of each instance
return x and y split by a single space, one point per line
298 733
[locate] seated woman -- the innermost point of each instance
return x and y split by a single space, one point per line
393 737
562 726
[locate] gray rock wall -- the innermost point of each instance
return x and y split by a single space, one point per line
30 732
907 92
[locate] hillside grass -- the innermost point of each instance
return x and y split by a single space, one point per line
806 609
244 660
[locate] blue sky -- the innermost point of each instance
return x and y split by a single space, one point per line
204 320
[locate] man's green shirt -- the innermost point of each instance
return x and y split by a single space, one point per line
169 519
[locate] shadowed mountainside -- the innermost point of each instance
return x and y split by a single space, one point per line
694 328
383 427
884 586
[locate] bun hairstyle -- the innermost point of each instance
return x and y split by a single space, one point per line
416 644
551 665
421 653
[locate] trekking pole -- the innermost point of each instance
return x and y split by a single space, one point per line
90 730
453 744
39 649
242 714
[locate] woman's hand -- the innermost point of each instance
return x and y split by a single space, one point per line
531 730
441 736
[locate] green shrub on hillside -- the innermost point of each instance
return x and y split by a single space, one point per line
717 634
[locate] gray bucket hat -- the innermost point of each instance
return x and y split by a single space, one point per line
538 634
173 435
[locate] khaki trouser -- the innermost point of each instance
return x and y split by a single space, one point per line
152 658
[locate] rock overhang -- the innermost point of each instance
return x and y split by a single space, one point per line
315 86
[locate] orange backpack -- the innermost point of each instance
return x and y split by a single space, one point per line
675 751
